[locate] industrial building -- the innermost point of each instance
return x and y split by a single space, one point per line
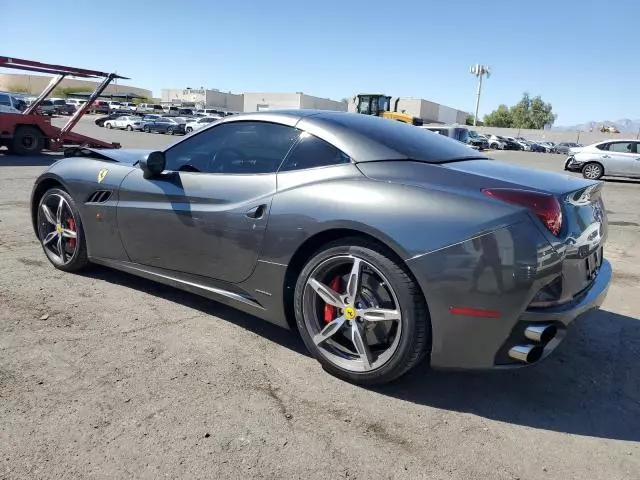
429 112
35 84
247 102
255 102
203 98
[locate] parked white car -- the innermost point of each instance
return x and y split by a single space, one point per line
198 123
125 122
496 142
613 158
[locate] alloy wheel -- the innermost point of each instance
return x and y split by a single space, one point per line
57 232
352 313
592 171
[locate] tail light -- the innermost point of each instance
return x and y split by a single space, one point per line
544 205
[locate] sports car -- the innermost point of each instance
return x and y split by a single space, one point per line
380 244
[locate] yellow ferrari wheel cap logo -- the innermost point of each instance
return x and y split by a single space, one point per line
58 228
350 313
101 174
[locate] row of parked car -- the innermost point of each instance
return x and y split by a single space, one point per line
501 142
157 123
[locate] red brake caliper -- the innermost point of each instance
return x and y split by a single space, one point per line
330 313
71 225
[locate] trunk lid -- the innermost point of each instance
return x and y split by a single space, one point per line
576 252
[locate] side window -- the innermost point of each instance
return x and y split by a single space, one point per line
312 152
233 148
603 146
4 99
621 147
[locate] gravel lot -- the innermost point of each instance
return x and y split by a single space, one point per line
104 375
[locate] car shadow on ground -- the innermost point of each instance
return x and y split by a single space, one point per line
619 180
590 386
43 160
274 333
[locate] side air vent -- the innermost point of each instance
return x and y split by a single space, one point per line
99 196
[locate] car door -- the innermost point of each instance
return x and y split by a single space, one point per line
620 159
207 213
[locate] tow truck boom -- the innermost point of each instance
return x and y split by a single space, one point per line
28 133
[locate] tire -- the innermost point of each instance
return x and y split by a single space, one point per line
592 171
413 332
108 125
78 259
169 131
146 130
189 130
27 140
129 128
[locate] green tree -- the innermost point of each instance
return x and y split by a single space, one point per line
542 113
501 117
64 92
532 113
469 120
18 89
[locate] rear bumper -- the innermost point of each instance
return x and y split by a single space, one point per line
498 293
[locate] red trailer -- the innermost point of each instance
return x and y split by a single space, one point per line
28 133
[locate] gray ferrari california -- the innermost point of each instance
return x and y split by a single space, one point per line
382 243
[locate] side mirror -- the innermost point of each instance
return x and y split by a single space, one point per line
153 164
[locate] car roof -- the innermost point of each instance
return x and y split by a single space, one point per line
365 138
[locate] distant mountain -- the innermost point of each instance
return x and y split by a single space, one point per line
624 125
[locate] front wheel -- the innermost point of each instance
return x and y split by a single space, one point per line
60 231
108 125
592 171
129 128
360 313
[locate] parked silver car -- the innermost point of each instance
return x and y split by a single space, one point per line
613 158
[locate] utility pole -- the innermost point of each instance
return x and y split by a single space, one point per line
479 71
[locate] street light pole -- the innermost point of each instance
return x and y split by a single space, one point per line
479 71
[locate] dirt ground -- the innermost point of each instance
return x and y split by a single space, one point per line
104 375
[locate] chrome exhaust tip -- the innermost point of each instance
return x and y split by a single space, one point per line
526 353
541 333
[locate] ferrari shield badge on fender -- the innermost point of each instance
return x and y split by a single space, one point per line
102 174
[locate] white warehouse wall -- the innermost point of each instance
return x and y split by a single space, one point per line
317 103
254 102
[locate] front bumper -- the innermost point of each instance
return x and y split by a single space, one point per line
571 165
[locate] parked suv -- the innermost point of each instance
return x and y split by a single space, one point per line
61 107
10 103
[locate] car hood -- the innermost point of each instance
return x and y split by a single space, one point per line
127 156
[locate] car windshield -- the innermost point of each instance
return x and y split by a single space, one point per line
404 138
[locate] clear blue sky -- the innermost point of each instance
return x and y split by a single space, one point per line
580 55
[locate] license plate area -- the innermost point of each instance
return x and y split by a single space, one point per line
593 263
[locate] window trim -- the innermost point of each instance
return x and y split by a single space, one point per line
297 142
210 126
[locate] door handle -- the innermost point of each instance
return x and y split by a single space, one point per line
606 156
256 212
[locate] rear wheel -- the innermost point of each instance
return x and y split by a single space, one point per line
170 130
146 130
592 171
129 128
108 125
27 140
189 129
360 313
60 231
